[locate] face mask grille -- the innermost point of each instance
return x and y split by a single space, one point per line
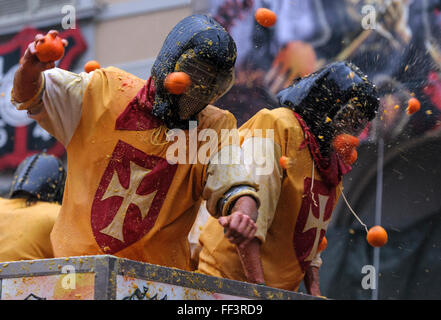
208 84
189 106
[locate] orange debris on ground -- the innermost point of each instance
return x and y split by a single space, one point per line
377 236
177 82
265 17
50 48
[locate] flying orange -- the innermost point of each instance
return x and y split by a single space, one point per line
91 66
414 106
177 82
265 17
377 236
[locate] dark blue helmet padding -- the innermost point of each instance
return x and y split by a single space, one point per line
325 92
41 176
210 43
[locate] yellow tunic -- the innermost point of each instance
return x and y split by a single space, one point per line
25 230
289 233
122 197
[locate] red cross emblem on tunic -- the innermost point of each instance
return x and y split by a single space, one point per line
313 220
129 197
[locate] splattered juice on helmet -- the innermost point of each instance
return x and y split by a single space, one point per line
333 99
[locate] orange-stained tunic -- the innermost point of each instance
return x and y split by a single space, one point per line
290 233
25 230
122 197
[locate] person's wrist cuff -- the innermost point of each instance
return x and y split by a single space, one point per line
230 197
34 100
317 261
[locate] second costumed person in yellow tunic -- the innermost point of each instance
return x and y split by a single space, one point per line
28 215
123 197
297 201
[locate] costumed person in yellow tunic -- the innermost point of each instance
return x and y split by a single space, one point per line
28 215
296 202
123 195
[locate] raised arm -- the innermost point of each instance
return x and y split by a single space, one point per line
28 79
53 97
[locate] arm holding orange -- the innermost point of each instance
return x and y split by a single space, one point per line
28 79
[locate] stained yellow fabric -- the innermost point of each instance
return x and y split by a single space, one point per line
264 162
25 230
88 156
280 264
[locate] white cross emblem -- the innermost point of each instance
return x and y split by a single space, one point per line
318 224
137 174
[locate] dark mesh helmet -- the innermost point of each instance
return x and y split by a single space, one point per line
327 93
201 47
40 176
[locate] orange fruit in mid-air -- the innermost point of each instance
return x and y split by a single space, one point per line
414 106
50 48
91 66
265 17
285 162
177 82
377 236
323 244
